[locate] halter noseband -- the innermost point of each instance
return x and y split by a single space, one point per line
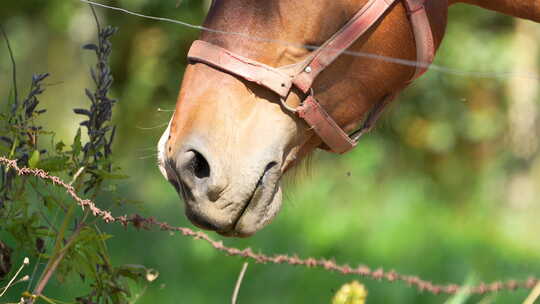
302 74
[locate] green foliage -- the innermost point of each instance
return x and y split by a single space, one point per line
21 134
73 246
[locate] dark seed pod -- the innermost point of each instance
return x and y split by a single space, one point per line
5 259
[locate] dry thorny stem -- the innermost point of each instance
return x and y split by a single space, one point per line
239 282
379 274
535 294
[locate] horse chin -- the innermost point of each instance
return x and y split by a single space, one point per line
260 210
241 218
255 210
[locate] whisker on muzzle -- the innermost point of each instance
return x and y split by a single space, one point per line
154 155
152 128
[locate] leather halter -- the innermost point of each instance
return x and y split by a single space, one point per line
302 74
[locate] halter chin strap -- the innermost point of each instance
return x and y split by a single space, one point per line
303 74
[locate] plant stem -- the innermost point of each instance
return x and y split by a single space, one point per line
13 65
59 252
238 283
535 294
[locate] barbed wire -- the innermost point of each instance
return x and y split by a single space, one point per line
379 274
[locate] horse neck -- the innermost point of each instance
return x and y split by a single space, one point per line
526 9
266 29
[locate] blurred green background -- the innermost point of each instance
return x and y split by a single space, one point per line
447 187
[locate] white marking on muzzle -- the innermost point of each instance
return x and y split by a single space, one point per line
162 148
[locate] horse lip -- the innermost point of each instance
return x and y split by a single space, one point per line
250 201
233 232
259 186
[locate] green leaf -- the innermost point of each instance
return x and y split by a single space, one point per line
60 146
76 147
33 162
49 202
54 164
15 144
134 272
5 149
104 237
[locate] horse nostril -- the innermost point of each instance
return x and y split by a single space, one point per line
199 165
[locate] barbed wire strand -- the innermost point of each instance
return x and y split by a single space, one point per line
412 63
379 274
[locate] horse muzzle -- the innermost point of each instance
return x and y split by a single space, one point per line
231 201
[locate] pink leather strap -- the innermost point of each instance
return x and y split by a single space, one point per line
323 124
423 35
326 128
341 41
335 139
220 58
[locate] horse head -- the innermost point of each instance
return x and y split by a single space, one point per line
231 140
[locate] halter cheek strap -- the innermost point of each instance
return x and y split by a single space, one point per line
425 45
359 24
281 80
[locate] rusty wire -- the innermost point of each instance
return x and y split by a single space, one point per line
379 274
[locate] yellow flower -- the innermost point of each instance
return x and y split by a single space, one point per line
352 293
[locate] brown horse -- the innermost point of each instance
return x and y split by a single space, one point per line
230 140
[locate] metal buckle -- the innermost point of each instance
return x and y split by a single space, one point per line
286 106
291 109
